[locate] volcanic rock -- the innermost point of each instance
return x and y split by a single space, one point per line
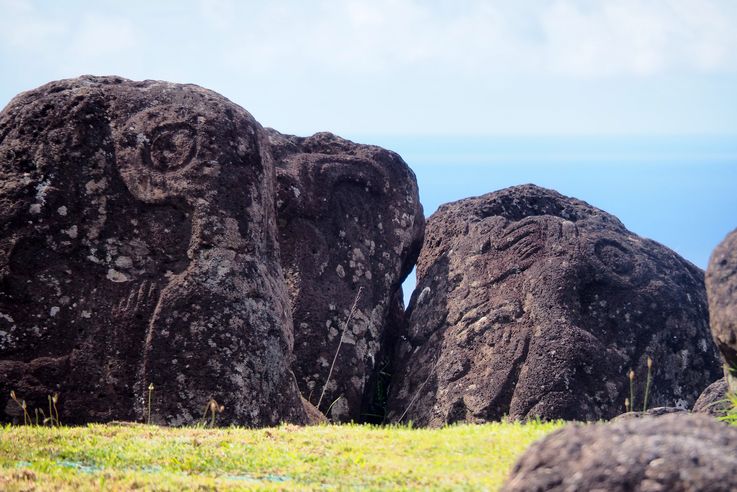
532 304
651 412
349 219
314 416
714 400
139 246
721 287
673 453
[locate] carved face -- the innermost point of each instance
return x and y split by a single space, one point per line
522 313
181 147
348 217
147 219
85 261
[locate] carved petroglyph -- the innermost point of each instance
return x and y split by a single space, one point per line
169 147
545 295
143 218
615 257
349 218
620 262
139 302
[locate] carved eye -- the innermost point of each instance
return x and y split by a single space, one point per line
170 147
615 256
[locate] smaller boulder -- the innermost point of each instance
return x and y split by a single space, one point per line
713 401
350 229
678 452
721 291
314 416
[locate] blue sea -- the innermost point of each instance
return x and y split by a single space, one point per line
680 191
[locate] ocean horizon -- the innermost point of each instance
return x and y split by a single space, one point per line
676 190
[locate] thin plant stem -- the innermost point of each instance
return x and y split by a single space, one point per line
729 377
632 389
647 384
417 393
56 410
214 409
150 395
45 418
342 336
331 405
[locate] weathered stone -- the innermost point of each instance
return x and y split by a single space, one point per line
530 303
138 245
377 388
314 416
673 453
721 288
714 400
652 412
349 218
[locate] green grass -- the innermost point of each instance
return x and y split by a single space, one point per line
109 457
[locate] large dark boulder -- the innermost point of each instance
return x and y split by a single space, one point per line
138 245
721 287
349 218
672 453
530 303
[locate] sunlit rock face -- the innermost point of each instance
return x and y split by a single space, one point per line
530 303
349 219
138 246
721 286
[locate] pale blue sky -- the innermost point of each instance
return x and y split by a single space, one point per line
421 77
405 67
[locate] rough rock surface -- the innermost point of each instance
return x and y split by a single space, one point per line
652 412
673 453
530 303
349 218
314 416
721 287
138 246
713 401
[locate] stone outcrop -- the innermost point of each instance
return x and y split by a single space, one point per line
714 400
139 245
530 303
721 287
349 218
678 452
651 412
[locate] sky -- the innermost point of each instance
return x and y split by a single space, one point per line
630 105
405 67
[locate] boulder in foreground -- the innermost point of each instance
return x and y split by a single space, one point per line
672 453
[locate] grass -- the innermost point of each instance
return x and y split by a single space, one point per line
112 457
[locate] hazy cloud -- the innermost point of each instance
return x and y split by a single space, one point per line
461 66
564 37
